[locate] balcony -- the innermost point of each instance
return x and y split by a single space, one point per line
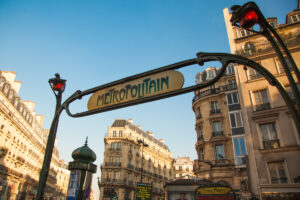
217 133
281 180
229 87
266 47
130 166
112 164
264 106
271 144
215 111
221 162
206 93
255 76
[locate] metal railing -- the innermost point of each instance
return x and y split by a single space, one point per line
263 106
255 76
217 133
271 144
208 92
113 164
215 111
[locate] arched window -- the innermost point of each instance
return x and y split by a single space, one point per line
249 48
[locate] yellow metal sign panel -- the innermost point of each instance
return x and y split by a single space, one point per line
214 190
136 89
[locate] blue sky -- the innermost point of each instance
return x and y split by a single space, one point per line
91 43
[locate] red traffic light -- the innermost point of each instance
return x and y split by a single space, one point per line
58 86
248 19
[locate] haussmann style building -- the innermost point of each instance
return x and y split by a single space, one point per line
183 168
220 132
22 147
273 144
130 151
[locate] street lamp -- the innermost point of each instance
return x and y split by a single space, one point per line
246 17
58 86
143 144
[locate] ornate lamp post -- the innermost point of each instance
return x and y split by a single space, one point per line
143 144
58 86
83 162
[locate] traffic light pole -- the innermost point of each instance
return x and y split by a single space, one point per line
49 149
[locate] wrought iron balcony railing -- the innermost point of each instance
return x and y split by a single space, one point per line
263 106
217 133
255 76
281 180
215 111
271 144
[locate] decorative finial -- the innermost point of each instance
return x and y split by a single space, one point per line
57 75
86 141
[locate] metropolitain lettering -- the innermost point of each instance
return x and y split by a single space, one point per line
147 87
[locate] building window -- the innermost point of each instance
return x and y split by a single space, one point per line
110 159
120 133
249 48
277 172
261 100
220 152
119 146
295 18
269 136
230 69
201 154
180 168
236 119
244 32
253 74
232 98
198 113
112 146
239 150
217 128
118 161
214 107
114 133
279 66
199 133
232 84
272 24
130 148
211 74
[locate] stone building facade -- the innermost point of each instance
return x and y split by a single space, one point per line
22 146
183 168
220 132
125 159
272 140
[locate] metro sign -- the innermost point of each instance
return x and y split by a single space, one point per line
137 89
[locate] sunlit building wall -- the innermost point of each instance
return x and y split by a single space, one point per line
22 144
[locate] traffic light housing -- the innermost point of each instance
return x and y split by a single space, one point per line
57 84
246 16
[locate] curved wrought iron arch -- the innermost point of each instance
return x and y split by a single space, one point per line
202 57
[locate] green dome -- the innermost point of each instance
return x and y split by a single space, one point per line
84 153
